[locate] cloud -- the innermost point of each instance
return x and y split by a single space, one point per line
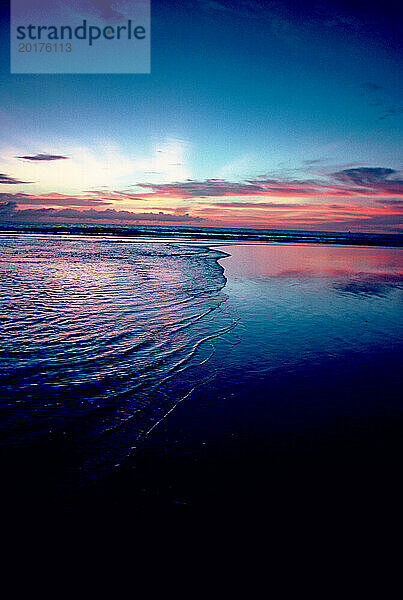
364 175
201 189
57 200
220 187
311 163
374 180
7 180
9 210
117 195
39 157
264 205
352 182
347 197
390 202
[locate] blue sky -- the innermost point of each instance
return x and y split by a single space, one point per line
239 91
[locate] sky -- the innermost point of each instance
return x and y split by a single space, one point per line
282 115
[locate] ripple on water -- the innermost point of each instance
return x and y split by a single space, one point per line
100 339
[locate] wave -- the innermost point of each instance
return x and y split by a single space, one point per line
101 340
209 233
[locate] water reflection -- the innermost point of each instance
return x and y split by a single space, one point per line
301 305
259 261
363 271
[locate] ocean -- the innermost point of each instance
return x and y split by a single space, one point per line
195 374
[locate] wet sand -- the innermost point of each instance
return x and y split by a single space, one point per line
302 422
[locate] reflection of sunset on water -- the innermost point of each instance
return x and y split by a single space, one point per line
312 261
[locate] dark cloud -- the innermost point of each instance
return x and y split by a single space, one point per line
62 202
7 180
316 161
364 175
4 197
202 189
219 187
39 157
9 210
24 199
374 179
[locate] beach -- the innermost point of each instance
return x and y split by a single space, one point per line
302 420
277 368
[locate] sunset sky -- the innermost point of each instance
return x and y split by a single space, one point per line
256 114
